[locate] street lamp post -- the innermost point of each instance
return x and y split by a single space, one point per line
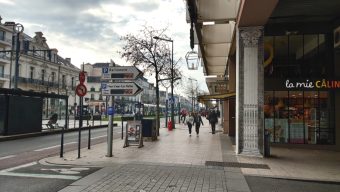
193 101
19 29
172 78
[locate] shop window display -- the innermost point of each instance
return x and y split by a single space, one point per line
298 117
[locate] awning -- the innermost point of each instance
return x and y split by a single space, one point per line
216 96
214 28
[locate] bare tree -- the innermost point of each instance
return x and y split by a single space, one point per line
152 55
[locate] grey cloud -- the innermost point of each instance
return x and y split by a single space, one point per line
145 6
64 16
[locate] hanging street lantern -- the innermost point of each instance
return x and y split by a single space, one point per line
193 60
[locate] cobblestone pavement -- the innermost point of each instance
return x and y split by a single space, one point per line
263 184
162 178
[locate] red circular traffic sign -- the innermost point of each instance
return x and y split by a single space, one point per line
81 90
82 77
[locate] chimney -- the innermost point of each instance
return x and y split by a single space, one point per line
68 60
39 34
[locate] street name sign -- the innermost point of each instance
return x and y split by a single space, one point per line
120 89
121 73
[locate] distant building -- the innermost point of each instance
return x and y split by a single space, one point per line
98 103
41 69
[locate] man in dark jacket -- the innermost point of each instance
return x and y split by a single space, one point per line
213 120
197 121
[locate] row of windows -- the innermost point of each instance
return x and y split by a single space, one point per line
50 78
41 53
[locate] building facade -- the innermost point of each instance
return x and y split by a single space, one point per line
40 68
282 69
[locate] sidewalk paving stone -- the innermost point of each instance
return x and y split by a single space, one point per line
176 162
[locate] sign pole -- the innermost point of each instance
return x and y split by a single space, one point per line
81 91
110 130
122 125
166 113
80 123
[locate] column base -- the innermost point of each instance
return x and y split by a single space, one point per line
250 153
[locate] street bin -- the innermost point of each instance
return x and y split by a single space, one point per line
149 128
267 144
170 126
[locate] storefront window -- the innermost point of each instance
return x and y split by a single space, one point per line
268 109
297 56
298 117
281 116
311 115
297 128
324 133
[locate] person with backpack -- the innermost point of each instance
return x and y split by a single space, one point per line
197 121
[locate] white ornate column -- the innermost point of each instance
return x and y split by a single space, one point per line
250 91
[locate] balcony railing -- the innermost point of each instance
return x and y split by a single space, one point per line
41 82
6 41
5 76
4 56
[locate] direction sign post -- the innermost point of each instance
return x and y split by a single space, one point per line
113 73
121 73
121 89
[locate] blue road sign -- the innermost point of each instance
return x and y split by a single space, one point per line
105 70
171 100
110 111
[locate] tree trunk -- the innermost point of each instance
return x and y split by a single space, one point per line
157 104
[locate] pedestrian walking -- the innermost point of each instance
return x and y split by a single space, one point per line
197 121
183 115
190 122
218 113
213 120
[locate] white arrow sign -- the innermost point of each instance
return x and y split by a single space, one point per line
121 89
121 73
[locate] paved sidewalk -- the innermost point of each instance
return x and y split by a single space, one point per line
176 162
301 164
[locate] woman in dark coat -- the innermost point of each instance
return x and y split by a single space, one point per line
213 120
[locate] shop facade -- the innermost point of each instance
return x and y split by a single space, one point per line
285 58
300 83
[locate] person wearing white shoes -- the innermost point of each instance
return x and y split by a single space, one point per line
190 121
197 121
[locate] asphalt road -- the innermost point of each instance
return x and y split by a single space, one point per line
20 172
21 151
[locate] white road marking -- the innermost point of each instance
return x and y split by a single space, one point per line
18 167
7 157
8 172
98 137
42 149
70 143
68 177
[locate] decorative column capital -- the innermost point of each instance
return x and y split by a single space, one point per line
251 35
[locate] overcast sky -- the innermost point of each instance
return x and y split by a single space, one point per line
89 31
